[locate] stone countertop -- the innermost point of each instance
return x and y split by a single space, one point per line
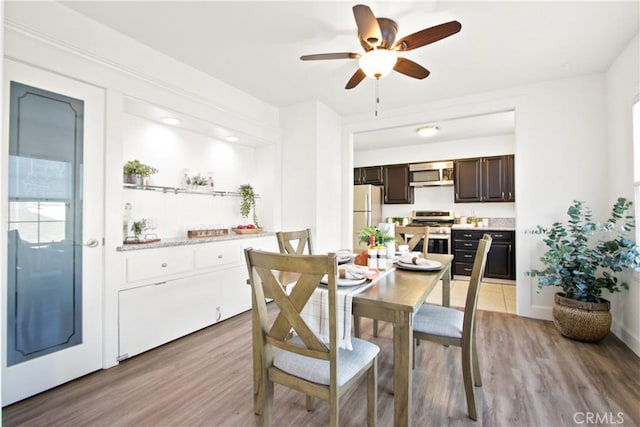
490 228
182 241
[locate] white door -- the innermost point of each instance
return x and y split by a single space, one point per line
52 289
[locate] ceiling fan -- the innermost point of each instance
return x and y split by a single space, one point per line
377 36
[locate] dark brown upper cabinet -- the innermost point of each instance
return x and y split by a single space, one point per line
484 179
368 175
396 185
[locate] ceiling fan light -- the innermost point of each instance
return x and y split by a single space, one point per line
378 63
427 131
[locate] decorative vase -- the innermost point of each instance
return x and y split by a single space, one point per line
580 320
129 179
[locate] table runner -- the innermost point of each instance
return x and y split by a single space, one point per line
316 312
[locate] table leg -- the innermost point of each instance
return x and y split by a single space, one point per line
446 287
402 356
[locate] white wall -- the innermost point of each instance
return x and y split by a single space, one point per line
442 197
560 144
311 173
623 88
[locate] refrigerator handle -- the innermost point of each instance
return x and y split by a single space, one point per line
368 218
367 202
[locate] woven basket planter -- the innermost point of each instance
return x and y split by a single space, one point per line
582 321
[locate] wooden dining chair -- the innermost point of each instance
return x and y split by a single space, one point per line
303 361
301 239
449 326
412 236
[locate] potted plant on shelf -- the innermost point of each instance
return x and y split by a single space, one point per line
583 258
134 172
247 204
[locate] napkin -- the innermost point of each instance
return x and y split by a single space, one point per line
412 259
353 272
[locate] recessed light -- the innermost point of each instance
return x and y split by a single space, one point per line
231 138
170 121
427 131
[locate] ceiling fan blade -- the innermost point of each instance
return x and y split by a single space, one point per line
357 77
368 27
320 56
411 69
427 36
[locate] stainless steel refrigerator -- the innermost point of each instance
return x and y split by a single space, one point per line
367 210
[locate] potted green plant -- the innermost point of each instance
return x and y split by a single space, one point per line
248 203
583 257
380 237
134 172
138 227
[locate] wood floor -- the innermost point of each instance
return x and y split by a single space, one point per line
532 377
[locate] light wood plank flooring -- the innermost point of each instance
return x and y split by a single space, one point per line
532 377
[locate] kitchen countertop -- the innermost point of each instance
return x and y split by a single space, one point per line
490 228
183 241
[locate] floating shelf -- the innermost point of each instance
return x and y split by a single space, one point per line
176 190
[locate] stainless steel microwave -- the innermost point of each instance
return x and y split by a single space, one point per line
431 174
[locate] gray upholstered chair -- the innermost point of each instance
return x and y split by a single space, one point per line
301 239
449 326
303 362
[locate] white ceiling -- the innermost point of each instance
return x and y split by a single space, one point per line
255 46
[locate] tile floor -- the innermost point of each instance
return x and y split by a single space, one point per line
493 296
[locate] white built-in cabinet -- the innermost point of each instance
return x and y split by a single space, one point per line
171 292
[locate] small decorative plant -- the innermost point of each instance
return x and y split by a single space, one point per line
135 167
583 256
248 202
138 227
380 236
199 180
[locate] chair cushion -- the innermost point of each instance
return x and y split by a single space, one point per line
350 362
437 320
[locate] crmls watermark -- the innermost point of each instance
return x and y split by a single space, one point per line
598 418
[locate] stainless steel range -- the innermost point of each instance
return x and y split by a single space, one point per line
439 223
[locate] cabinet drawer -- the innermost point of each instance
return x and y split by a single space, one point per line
163 263
477 235
217 254
464 256
462 268
465 244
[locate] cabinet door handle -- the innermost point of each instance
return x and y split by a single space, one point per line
163 265
468 270
510 196
468 256
467 235
503 194
468 244
497 236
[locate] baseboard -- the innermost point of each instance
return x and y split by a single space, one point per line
626 337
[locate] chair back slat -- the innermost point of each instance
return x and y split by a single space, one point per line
266 273
417 234
301 239
474 285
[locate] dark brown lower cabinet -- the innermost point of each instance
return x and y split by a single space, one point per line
501 257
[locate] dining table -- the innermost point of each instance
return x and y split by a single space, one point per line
393 297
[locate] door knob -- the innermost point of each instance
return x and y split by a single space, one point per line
92 243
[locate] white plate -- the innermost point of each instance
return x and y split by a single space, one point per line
344 260
432 266
344 282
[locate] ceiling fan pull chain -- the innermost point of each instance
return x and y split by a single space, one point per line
377 95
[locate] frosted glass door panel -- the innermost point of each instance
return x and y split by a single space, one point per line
45 223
